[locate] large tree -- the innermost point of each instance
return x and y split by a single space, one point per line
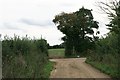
77 26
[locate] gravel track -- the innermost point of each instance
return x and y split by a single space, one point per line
75 68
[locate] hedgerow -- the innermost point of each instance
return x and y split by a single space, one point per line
23 57
105 56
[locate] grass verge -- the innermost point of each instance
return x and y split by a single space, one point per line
48 67
110 70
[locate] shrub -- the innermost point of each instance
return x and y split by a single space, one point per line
23 57
106 53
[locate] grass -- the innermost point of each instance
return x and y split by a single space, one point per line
110 70
56 53
60 53
48 68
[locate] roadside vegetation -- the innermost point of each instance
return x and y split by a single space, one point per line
106 55
25 58
48 67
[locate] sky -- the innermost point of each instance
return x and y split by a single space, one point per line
34 17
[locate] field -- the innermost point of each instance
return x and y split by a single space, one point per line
56 53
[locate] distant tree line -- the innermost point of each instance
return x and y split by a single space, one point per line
56 46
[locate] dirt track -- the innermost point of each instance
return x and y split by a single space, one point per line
75 68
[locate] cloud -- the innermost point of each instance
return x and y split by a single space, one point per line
37 23
66 5
11 26
34 17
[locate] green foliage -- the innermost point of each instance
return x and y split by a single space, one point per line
105 56
48 67
23 57
114 15
110 70
77 26
107 45
42 45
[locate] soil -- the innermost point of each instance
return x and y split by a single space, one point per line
75 68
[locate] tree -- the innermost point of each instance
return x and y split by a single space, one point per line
76 26
113 11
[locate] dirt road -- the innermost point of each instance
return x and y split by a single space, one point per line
75 68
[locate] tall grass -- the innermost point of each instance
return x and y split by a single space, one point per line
23 57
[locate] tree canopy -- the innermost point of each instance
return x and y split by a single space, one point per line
77 26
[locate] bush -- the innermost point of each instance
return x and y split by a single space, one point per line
23 57
106 53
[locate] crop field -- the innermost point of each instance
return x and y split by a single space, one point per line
56 53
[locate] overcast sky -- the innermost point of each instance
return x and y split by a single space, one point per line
34 17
